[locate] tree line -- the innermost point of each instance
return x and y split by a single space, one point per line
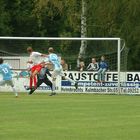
62 18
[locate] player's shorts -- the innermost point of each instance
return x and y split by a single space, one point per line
8 82
36 67
57 72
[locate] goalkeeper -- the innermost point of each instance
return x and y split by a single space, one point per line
42 78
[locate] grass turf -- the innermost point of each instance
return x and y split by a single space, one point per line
69 117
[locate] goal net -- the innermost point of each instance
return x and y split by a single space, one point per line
77 61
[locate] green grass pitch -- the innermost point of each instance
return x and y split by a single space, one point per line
69 117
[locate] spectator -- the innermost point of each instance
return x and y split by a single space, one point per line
103 66
81 66
64 65
93 66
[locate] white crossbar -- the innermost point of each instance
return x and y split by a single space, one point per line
55 38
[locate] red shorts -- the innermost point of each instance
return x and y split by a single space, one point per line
36 67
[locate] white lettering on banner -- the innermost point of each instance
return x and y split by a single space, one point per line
130 83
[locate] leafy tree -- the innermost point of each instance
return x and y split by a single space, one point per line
59 18
5 27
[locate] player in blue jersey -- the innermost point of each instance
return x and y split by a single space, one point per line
53 58
6 72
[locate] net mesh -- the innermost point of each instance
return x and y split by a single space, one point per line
69 49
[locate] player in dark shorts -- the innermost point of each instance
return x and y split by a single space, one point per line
42 78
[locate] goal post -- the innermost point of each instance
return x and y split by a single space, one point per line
116 56
119 61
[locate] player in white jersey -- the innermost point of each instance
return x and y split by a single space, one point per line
6 72
53 58
35 66
35 57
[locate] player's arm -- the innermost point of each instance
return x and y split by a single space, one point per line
45 61
30 62
89 67
48 63
10 67
39 54
12 70
97 66
44 55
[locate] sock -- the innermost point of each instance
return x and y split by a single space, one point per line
72 81
14 90
31 82
35 81
53 86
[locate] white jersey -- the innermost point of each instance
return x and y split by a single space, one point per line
35 57
93 67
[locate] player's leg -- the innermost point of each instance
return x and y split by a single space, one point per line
103 75
72 81
69 79
10 82
31 82
35 81
99 75
2 83
34 70
55 73
53 86
39 82
33 76
48 82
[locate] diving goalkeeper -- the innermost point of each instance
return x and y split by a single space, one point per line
42 78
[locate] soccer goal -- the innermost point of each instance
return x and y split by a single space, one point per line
76 55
